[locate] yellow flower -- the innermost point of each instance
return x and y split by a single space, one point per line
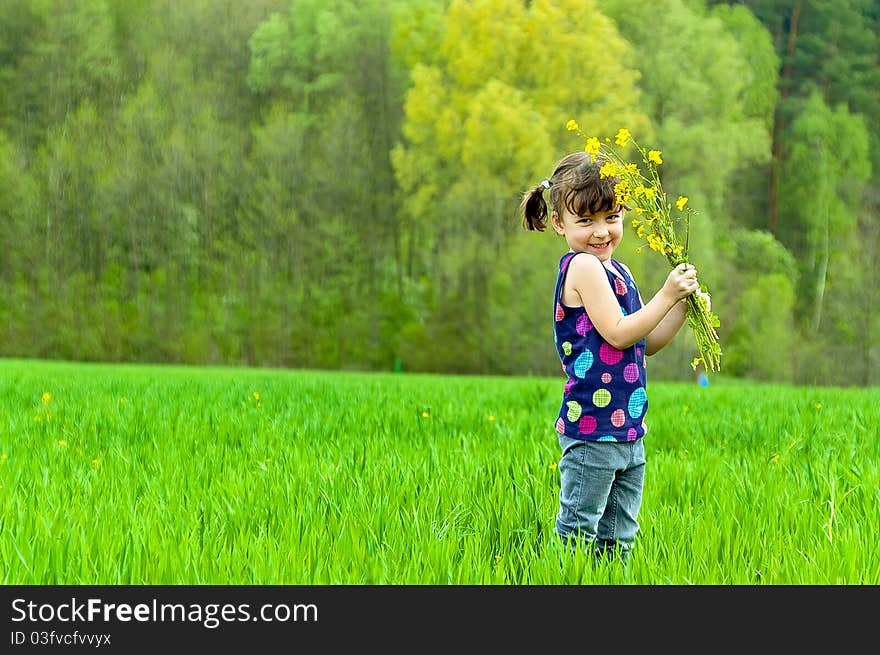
608 170
552 466
37 419
774 458
654 156
592 146
46 396
649 193
572 125
425 414
62 442
491 418
818 405
623 135
4 456
256 395
681 202
655 243
639 250
95 463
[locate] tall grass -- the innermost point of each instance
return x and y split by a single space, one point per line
173 475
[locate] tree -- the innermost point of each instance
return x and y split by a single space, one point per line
484 119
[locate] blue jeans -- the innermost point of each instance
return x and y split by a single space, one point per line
600 493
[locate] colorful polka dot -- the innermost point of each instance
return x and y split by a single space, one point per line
619 287
583 363
609 354
560 313
607 437
560 425
574 410
631 434
631 372
606 378
587 424
601 397
618 418
637 402
583 325
569 385
566 347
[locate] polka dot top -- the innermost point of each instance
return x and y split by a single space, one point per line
604 398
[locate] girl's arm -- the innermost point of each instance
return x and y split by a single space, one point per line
668 328
586 279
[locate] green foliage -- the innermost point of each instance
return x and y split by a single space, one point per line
336 184
483 119
825 174
759 345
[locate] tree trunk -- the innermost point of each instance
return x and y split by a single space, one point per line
779 123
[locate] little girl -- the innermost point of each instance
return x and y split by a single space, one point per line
603 331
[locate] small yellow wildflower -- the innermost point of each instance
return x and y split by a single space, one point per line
37 419
95 463
491 418
62 442
552 466
775 458
592 146
425 414
572 125
623 135
649 193
608 170
639 250
4 456
46 396
681 202
654 156
818 405
256 395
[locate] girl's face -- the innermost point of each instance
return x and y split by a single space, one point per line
598 234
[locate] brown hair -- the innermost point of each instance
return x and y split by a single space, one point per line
575 184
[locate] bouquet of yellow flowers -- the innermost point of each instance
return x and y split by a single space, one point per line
640 189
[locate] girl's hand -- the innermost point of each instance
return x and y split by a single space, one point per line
681 282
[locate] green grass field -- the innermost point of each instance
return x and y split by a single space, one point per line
171 475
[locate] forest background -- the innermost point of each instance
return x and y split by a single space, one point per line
335 184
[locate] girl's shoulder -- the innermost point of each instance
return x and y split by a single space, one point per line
625 268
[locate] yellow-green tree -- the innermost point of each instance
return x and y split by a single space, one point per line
484 120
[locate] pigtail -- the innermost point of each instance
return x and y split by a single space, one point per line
534 207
